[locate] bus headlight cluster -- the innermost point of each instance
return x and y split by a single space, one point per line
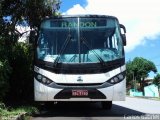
116 79
43 79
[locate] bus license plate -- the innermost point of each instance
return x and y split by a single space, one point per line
79 92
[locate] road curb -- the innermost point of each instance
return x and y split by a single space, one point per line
148 98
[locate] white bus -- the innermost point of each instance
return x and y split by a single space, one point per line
80 58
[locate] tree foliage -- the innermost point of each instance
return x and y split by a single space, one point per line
129 73
32 11
156 80
5 71
16 58
139 69
21 79
142 67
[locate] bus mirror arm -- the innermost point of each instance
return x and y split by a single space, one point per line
123 34
123 27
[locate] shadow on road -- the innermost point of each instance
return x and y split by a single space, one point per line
80 109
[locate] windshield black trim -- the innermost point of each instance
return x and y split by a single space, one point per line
80 68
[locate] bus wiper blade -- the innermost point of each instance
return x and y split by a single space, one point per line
73 58
98 57
62 49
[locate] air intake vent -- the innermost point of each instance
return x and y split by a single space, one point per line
82 84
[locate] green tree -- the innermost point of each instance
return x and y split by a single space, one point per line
31 11
5 71
18 56
156 80
21 79
129 74
139 69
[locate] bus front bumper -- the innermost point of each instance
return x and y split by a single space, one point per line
111 93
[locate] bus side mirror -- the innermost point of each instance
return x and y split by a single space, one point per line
32 37
123 35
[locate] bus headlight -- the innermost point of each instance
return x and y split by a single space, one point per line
116 79
43 79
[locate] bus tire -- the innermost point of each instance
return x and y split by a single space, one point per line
106 105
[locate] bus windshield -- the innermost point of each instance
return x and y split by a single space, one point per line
79 40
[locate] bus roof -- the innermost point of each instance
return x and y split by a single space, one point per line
84 16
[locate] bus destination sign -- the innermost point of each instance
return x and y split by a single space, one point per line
82 24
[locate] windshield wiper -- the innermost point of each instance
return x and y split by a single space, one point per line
63 48
73 58
89 47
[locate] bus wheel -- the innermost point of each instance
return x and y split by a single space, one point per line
106 105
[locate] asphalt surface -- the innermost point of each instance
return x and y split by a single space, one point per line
132 108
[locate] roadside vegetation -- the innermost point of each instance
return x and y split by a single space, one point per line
16 58
9 113
137 71
157 80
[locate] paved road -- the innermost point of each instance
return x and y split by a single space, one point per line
132 108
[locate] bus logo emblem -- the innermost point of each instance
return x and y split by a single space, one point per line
79 79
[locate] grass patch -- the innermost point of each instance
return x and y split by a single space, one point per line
9 113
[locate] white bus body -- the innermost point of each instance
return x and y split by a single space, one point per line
80 58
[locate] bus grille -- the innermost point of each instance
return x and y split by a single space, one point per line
84 84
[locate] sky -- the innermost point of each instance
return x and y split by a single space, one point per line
140 17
